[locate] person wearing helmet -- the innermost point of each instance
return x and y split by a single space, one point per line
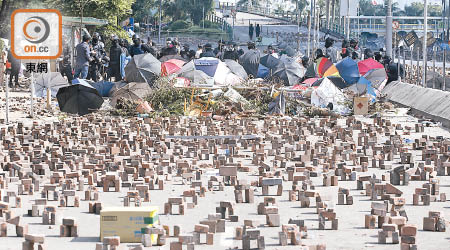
136 48
330 51
170 48
207 51
114 64
230 53
368 53
318 54
97 53
187 53
83 57
353 49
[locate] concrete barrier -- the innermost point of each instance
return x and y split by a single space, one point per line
430 103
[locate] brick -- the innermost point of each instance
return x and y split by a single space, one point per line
409 230
111 240
201 228
35 238
389 227
68 221
228 171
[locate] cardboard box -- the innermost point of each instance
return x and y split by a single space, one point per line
361 105
128 222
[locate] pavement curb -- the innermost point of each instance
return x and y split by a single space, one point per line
430 103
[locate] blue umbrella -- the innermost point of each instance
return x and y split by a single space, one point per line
363 86
103 87
348 69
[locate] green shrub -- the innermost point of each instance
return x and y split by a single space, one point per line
179 25
211 25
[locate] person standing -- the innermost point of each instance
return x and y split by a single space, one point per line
65 67
258 30
98 52
251 29
124 56
199 51
207 51
3 56
15 69
114 64
83 58
330 51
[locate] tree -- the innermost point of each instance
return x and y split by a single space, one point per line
7 7
142 8
181 9
416 9
105 9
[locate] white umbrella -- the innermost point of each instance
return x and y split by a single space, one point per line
52 80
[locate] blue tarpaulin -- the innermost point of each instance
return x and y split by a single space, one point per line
103 87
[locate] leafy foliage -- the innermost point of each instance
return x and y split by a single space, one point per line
180 9
179 25
104 9
142 10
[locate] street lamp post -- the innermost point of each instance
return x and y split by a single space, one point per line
389 29
425 31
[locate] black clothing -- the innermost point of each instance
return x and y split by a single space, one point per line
114 64
207 53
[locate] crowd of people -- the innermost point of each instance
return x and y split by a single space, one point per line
91 59
92 62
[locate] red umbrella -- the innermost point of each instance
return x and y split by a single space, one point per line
365 66
171 66
300 86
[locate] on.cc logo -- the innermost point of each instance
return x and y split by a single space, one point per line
36 29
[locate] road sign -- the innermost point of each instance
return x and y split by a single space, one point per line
411 38
233 12
430 39
395 25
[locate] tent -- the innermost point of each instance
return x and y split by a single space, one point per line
79 98
52 80
132 91
348 69
142 68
